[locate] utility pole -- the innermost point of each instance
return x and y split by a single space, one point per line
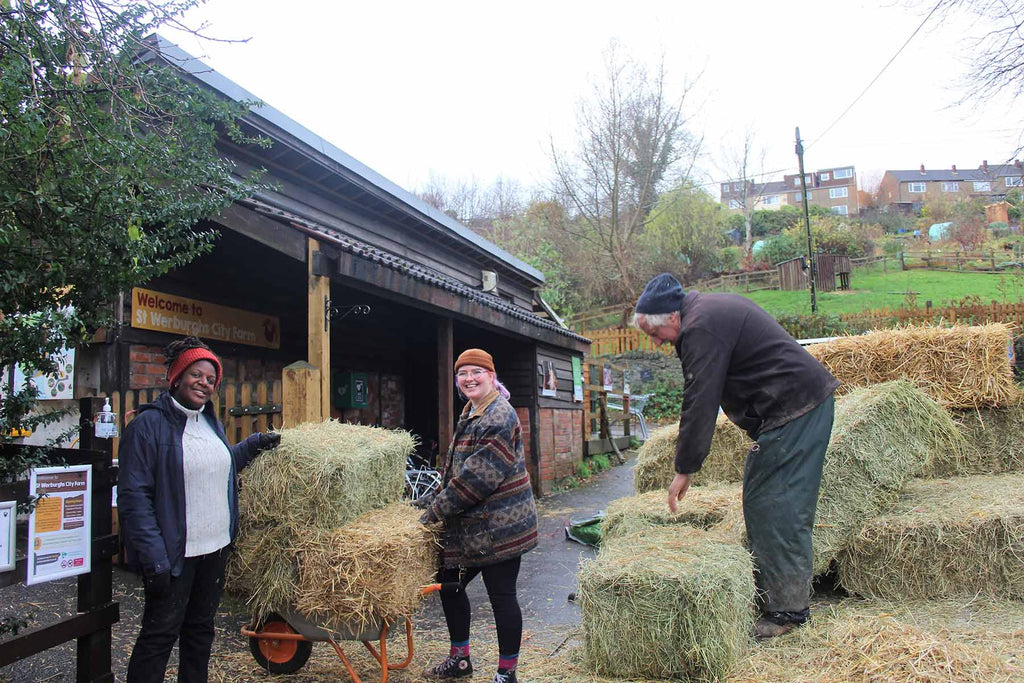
807 220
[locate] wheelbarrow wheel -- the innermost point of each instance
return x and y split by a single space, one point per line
279 656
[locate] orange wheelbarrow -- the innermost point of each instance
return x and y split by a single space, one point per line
282 642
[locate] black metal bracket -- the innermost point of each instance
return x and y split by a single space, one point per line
332 312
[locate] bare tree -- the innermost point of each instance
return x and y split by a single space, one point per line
469 203
631 142
744 164
997 56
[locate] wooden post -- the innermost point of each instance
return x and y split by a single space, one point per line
318 338
445 388
95 589
300 394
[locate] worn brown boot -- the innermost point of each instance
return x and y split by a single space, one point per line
766 628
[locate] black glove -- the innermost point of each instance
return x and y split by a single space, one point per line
157 585
267 441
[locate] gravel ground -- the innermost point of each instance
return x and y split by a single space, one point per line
548 576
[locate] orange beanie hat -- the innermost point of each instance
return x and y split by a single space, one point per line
477 357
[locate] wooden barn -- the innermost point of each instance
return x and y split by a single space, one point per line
795 275
339 268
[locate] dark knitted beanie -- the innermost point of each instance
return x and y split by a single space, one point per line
663 294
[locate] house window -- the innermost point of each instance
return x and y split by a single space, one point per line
725 187
798 197
736 187
771 200
984 186
796 182
841 173
838 192
825 177
917 187
950 187
810 196
841 210
735 204
1014 181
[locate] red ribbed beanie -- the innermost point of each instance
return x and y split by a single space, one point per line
189 357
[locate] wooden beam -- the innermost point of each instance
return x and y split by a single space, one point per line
445 387
318 338
300 394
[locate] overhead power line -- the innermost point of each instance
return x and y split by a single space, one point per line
877 76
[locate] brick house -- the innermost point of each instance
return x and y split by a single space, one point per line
909 190
832 188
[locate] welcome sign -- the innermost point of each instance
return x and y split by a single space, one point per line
161 312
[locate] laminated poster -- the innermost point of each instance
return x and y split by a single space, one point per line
60 525
577 380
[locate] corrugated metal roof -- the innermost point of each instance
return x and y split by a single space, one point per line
409 268
202 72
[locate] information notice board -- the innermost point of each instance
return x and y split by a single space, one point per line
59 528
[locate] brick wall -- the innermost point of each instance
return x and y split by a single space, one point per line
146 368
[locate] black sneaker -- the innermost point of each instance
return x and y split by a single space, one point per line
453 666
508 677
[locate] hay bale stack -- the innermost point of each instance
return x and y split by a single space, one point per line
882 436
960 366
325 475
666 602
313 534
717 509
995 442
655 462
371 570
947 536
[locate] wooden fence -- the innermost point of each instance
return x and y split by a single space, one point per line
615 341
244 408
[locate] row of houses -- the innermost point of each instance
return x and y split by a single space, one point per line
836 188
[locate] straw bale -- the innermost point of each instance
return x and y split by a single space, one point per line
324 475
370 572
995 442
655 462
666 602
262 571
960 367
716 508
882 436
947 536
873 642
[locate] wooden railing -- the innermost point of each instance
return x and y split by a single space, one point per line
746 282
242 407
614 341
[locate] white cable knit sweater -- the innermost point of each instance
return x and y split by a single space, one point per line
207 465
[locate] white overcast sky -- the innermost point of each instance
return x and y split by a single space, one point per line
473 90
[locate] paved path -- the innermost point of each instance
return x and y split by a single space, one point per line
548 573
547 578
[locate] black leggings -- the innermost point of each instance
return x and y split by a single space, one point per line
500 580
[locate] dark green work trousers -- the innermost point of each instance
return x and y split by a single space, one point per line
780 493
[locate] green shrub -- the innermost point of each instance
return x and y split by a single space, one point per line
666 400
810 326
583 470
600 462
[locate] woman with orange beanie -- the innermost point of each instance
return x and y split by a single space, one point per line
177 501
489 516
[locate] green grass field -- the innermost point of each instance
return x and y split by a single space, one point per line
873 289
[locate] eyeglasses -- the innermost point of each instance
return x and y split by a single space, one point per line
475 374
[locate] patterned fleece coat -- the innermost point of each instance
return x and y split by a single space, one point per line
487 502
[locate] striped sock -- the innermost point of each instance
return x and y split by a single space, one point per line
506 664
459 649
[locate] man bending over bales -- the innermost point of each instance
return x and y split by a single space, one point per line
736 355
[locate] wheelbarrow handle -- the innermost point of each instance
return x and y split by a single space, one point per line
449 587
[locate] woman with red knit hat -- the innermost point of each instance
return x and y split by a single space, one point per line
177 500
489 516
